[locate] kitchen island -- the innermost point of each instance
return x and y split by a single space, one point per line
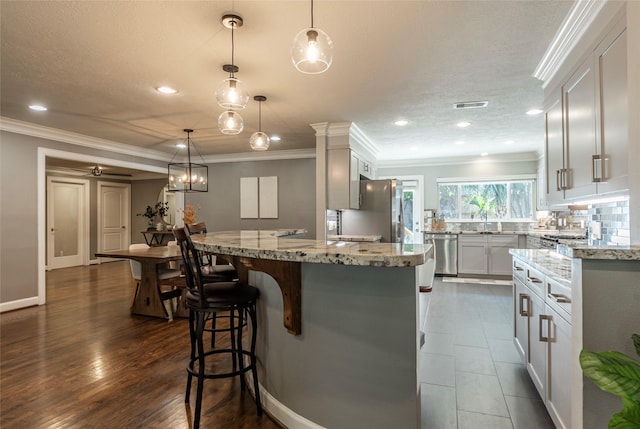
349 356
578 297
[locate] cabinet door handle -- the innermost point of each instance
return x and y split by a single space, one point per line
524 312
533 279
544 339
558 297
558 181
596 168
517 268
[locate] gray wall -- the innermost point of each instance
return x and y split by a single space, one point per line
477 169
220 207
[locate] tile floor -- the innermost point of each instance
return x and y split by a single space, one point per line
471 374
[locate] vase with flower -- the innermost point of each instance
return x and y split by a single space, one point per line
150 213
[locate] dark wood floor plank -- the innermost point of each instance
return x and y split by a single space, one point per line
82 361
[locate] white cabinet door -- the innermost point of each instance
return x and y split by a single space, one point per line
537 362
560 369
521 304
541 187
472 255
580 135
354 182
499 257
554 150
612 126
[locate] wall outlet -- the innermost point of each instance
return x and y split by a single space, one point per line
596 230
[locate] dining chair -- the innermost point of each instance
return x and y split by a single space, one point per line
165 286
210 269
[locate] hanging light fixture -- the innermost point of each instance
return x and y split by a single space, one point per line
312 50
188 176
259 140
230 122
231 93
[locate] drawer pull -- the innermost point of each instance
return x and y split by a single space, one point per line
558 297
524 312
544 339
517 268
534 279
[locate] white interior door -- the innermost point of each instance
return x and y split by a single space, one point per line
67 222
114 214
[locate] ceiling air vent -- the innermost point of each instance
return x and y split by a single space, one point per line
470 104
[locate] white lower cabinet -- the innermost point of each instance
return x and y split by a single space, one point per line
537 361
486 254
560 381
543 337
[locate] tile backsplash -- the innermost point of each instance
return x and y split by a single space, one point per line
614 223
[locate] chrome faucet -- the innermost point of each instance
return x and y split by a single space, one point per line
485 215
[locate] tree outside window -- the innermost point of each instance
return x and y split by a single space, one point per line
506 200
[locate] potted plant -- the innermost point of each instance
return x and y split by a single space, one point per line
162 209
150 213
617 373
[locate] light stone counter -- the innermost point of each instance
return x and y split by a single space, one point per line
550 263
276 245
626 253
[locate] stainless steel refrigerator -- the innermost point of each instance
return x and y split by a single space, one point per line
380 212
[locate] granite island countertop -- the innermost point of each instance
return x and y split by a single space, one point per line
547 261
276 245
626 253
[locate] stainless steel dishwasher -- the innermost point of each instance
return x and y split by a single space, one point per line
445 247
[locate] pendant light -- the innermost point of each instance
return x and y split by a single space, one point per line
188 176
312 50
231 93
259 140
230 123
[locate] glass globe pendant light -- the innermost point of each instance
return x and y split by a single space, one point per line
312 50
259 140
231 93
230 123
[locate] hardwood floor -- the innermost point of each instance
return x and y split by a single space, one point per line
82 361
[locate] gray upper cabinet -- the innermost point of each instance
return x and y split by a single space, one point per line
612 120
586 125
345 168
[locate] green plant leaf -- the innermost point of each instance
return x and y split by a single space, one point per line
628 417
613 372
636 342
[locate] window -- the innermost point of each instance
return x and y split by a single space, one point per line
500 199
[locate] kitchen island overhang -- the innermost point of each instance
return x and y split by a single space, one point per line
355 357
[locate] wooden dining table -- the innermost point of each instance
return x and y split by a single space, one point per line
148 297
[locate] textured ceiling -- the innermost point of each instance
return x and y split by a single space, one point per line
96 64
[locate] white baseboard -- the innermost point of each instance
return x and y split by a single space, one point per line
19 303
278 411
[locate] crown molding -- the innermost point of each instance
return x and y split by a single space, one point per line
41 131
575 24
261 156
462 160
364 141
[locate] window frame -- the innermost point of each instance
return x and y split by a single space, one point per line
508 180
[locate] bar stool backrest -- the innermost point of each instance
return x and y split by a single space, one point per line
191 262
197 228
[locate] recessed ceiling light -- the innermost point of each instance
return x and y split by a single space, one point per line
463 124
509 142
38 108
166 90
484 154
533 112
181 145
401 122
459 142
275 138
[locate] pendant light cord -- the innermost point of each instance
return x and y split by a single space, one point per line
311 13
260 116
233 47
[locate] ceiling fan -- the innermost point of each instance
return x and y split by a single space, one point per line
98 171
